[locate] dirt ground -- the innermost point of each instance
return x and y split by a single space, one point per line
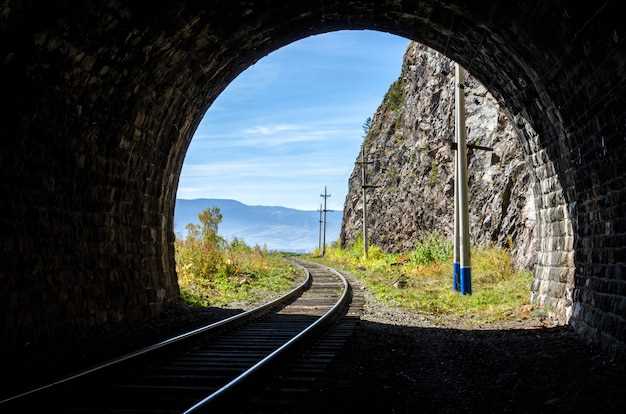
397 362
400 362
396 369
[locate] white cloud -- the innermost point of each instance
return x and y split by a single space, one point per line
284 167
273 135
271 129
292 123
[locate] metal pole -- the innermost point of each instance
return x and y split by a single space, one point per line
463 216
364 192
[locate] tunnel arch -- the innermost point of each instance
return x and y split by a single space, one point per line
104 98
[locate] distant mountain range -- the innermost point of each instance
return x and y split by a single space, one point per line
279 228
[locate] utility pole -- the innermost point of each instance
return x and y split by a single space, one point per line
325 197
456 267
462 282
462 267
364 187
319 248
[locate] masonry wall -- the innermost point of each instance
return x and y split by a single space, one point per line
555 267
103 98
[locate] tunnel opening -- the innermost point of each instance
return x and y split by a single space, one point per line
224 155
96 142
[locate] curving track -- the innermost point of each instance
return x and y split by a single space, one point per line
205 368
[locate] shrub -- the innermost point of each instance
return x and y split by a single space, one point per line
212 271
493 264
394 96
500 292
431 248
434 174
239 245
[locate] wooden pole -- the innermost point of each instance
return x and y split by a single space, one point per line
364 187
364 195
319 246
325 196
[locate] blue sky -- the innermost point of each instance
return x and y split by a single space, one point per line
291 123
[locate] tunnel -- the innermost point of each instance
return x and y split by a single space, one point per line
102 98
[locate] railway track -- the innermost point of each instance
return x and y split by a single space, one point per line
209 367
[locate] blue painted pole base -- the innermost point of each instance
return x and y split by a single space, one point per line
456 276
466 280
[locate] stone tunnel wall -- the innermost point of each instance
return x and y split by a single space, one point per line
554 271
103 98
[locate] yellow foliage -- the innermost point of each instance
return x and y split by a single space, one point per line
499 291
214 273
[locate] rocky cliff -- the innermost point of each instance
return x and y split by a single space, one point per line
408 139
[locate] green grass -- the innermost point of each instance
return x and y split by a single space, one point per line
394 96
232 274
421 280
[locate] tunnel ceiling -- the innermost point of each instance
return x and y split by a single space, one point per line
103 97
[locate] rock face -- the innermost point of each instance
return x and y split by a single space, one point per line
408 139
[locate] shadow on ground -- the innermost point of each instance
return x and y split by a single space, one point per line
400 369
64 353
389 368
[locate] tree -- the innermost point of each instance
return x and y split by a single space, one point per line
367 125
193 231
210 218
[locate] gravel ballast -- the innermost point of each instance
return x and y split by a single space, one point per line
401 361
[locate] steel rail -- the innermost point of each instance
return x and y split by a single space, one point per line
249 314
269 359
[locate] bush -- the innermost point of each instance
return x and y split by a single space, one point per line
493 264
425 273
431 248
212 271
239 245
356 248
395 95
